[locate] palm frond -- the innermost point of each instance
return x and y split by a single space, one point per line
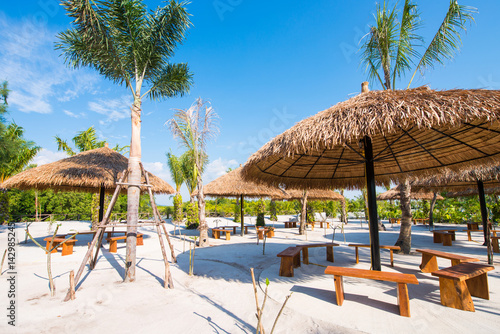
407 41
62 145
175 166
174 80
447 39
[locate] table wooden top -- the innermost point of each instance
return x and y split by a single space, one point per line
463 271
446 255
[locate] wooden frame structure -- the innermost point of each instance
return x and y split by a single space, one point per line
98 236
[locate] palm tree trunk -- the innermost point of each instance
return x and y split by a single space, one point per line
404 240
204 241
133 192
343 212
303 214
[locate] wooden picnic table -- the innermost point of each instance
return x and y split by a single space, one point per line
216 233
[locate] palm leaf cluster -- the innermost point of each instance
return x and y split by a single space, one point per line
126 43
392 47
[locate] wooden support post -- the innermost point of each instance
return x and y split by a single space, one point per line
97 236
72 285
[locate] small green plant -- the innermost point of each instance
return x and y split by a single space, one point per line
192 216
191 256
260 219
237 212
272 208
260 310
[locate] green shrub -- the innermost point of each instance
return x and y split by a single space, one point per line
192 216
260 219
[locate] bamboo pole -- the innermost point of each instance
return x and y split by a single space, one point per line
259 325
3 259
97 236
72 285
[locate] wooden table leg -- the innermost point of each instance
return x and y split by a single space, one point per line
113 246
446 239
357 255
468 236
228 235
329 254
494 243
478 286
429 263
437 238
455 294
403 300
339 289
305 255
286 267
392 258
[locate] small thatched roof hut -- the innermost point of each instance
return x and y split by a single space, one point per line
87 171
394 194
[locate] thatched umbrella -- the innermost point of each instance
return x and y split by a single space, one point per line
90 171
383 136
233 185
394 194
478 180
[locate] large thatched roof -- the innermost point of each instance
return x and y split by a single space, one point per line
464 180
233 185
86 171
473 191
313 195
413 132
394 194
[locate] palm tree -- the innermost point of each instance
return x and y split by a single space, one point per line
392 48
175 166
129 45
195 127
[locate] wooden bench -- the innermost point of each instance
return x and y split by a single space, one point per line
473 226
327 224
458 283
469 237
290 258
443 236
261 231
290 224
217 231
402 279
228 227
390 248
329 251
67 247
429 261
424 221
113 242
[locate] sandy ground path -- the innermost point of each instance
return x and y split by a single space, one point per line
219 297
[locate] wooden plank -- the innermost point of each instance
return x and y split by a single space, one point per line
290 251
446 255
381 246
403 300
463 271
319 245
372 274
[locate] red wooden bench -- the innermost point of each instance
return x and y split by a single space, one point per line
67 246
113 242
401 279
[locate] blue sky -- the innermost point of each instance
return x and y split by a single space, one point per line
263 65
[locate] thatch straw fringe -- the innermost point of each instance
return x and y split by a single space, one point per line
86 171
394 194
323 151
474 192
233 185
313 195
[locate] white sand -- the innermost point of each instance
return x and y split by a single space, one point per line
219 298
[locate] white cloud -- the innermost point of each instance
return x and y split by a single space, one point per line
159 169
218 168
113 109
45 156
35 72
71 114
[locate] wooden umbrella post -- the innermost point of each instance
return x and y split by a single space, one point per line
372 204
241 215
101 202
484 217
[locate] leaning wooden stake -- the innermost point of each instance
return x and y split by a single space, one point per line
72 284
97 236
3 259
259 324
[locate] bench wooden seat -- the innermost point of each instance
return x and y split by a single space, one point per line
290 258
401 279
390 248
67 247
329 251
458 283
290 224
445 237
469 237
113 241
217 231
429 261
